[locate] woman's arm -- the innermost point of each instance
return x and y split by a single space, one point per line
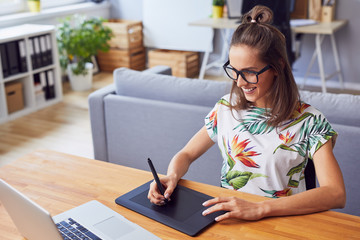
330 194
179 165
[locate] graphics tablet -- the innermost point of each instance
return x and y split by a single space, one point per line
183 212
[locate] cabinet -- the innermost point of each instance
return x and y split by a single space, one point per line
29 59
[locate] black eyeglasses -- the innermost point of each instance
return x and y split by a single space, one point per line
248 75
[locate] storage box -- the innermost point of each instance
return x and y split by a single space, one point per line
133 58
127 34
327 13
14 96
182 63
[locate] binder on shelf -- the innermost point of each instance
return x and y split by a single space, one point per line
39 93
44 57
32 54
44 84
4 61
50 83
37 52
48 48
37 80
22 56
12 54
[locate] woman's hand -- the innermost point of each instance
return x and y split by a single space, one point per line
235 207
169 183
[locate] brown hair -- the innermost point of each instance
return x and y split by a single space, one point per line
256 32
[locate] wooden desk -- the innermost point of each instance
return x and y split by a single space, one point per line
321 30
59 182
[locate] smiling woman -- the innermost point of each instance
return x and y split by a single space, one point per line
266 134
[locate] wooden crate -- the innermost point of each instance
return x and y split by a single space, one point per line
127 33
182 63
14 96
133 58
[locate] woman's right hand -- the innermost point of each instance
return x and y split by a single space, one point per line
169 183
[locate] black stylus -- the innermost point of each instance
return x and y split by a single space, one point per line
156 177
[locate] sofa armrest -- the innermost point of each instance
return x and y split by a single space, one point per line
97 120
97 113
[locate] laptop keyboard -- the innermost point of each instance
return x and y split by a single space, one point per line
72 230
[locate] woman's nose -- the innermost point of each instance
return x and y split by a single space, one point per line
241 82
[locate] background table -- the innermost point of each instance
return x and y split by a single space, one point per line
59 182
321 30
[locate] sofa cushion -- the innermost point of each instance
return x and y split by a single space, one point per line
138 129
168 88
337 108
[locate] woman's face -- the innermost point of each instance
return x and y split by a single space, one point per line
243 57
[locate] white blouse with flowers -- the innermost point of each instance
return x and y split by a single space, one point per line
263 160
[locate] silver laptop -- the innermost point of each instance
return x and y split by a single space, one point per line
91 220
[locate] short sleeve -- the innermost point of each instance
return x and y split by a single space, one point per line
319 132
211 123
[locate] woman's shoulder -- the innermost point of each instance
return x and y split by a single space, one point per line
304 108
224 100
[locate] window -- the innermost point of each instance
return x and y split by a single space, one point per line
16 6
11 6
56 3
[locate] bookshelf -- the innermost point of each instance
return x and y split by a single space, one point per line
30 77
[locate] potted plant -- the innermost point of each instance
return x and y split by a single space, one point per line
34 5
218 8
79 39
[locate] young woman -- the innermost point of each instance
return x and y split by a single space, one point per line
265 133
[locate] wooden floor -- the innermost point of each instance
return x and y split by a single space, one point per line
63 127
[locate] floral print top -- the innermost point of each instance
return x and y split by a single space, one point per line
263 160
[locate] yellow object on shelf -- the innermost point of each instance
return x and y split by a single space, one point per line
34 6
217 11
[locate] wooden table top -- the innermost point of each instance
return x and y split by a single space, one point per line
318 28
321 28
59 182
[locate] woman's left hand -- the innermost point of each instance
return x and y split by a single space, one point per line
235 207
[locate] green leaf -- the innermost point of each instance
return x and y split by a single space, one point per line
235 173
284 147
293 183
301 118
255 175
239 182
296 169
224 102
79 39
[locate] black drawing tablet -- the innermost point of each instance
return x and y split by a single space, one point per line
183 212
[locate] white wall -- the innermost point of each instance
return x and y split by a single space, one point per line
347 39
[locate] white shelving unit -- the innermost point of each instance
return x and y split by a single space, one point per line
27 33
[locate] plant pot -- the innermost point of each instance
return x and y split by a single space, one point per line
80 82
34 6
217 11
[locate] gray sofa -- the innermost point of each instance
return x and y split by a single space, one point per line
147 114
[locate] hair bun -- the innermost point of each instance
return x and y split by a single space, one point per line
259 14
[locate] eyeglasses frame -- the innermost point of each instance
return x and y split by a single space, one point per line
226 65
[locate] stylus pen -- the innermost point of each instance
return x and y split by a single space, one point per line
156 177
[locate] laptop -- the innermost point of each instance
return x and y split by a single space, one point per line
91 220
